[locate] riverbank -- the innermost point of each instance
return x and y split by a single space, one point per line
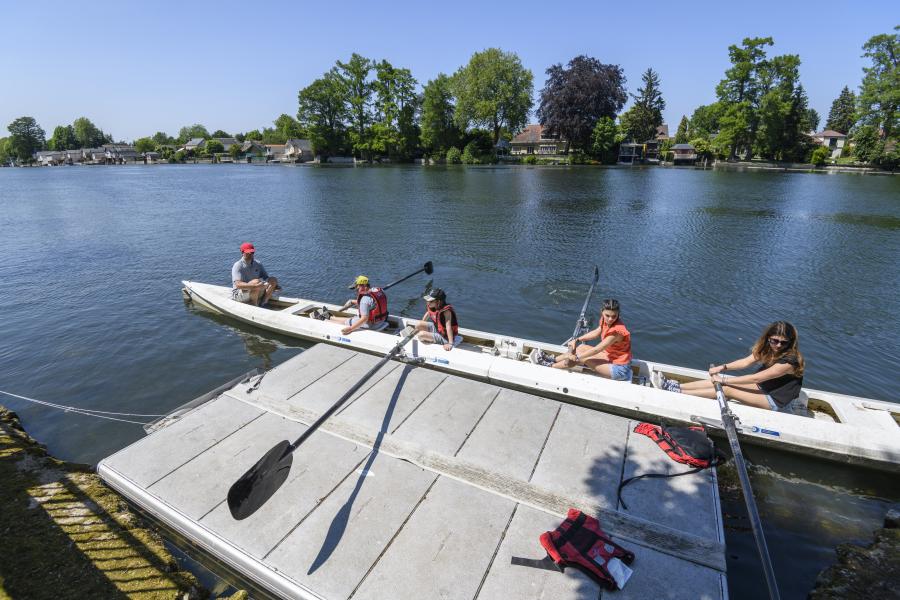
66 535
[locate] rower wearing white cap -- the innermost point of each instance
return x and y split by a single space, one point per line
438 320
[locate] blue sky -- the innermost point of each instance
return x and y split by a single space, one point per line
135 68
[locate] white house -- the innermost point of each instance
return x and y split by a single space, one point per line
831 139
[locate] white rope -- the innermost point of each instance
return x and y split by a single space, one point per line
100 414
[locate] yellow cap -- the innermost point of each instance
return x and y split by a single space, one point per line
361 280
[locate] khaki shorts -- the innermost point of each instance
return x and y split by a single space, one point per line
240 295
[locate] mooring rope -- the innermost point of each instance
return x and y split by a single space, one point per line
100 414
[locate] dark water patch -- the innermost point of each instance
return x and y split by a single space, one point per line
881 221
736 211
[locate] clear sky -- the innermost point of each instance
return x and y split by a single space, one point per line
135 68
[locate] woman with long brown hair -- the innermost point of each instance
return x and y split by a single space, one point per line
775 385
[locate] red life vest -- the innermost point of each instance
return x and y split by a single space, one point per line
437 317
379 312
686 445
579 542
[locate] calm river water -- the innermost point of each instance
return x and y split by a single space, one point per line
93 317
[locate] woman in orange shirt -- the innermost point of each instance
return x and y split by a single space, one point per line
611 358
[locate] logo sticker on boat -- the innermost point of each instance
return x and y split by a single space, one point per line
756 429
439 361
345 340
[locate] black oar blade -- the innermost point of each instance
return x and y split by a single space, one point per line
263 479
429 268
596 273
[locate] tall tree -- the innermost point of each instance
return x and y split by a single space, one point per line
189 132
439 130
394 131
493 91
842 116
782 114
163 139
63 138
812 119
5 151
358 90
219 133
145 144
604 140
322 113
642 120
705 120
88 134
879 94
740 94
26 138
681 136
288 127
577 96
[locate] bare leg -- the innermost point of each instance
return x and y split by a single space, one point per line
748 394
426 337
562 363
271 284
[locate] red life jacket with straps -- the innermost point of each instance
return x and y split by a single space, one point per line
437 317
579 542
379 312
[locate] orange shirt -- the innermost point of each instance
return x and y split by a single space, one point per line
618 353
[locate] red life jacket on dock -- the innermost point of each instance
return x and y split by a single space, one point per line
579 542
379 312
437 317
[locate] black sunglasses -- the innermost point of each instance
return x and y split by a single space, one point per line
779 341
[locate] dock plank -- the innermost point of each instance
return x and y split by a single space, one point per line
443 549
674 502
208 425
447 417
332 549
584 455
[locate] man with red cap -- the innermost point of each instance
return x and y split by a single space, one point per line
250 280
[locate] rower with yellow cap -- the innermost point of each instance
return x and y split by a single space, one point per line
371 304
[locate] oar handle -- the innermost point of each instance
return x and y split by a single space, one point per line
741 467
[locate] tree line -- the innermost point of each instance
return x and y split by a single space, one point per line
373 110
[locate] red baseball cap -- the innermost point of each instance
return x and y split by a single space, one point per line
247 247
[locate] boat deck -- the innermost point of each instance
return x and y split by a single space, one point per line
424 485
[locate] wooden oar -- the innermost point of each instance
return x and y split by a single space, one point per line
581 325
256 486
728 421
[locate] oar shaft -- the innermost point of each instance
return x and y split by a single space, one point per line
349 393
755 522
581 325
427 267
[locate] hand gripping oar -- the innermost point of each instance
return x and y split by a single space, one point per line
581 326
728 419
263 479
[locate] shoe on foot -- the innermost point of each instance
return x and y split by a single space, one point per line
658 380
535 356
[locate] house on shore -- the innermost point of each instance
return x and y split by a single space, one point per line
49 158
536 139
634 153
120 154
252 150
662 133
275 152
684 154
193 144
227 142
296 151
833 140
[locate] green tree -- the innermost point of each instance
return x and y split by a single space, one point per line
740 93
189 132
705 120
358 89
820 156
493 91
681 136
322 113
213 147
783 112
454 156
604 141
255 135
218 133
842 116
702 147
395 102
879 94
26 138
235 151
63 138
288 127
439 130
812 119
5 152
89 135
163 139
641 121
867 144
145 144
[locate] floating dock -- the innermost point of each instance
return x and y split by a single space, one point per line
424 485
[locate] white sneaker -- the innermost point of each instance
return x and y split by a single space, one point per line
658 380
535 356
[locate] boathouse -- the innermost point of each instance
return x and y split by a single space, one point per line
537 139
684 154
296 150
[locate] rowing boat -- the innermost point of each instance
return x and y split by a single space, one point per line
844 428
